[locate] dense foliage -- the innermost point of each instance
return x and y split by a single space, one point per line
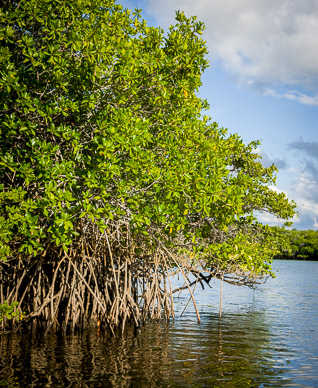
302 245
110 173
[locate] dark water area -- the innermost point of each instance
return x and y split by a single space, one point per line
266 338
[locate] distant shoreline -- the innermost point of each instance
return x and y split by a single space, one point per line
296 258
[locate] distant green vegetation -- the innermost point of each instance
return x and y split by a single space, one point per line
303 245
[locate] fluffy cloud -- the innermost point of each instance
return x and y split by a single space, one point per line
307 205
265 44
305 187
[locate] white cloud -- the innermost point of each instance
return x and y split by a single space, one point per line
308 206
264 43
305 189
294 95
304 192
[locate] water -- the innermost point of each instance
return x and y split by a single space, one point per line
266 338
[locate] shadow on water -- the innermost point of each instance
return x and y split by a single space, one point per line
234 353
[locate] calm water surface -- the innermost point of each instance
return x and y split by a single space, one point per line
266 338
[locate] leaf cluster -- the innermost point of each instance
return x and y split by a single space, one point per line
9 311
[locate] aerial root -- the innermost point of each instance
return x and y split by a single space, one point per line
97 284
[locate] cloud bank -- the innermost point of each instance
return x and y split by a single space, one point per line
265 45
305 187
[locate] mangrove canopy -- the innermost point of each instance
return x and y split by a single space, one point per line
112 178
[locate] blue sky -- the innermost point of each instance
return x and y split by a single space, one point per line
262 82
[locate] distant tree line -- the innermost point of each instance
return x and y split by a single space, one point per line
303 245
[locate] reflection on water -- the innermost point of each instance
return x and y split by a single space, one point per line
235 351
266 339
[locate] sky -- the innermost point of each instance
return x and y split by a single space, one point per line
262 83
